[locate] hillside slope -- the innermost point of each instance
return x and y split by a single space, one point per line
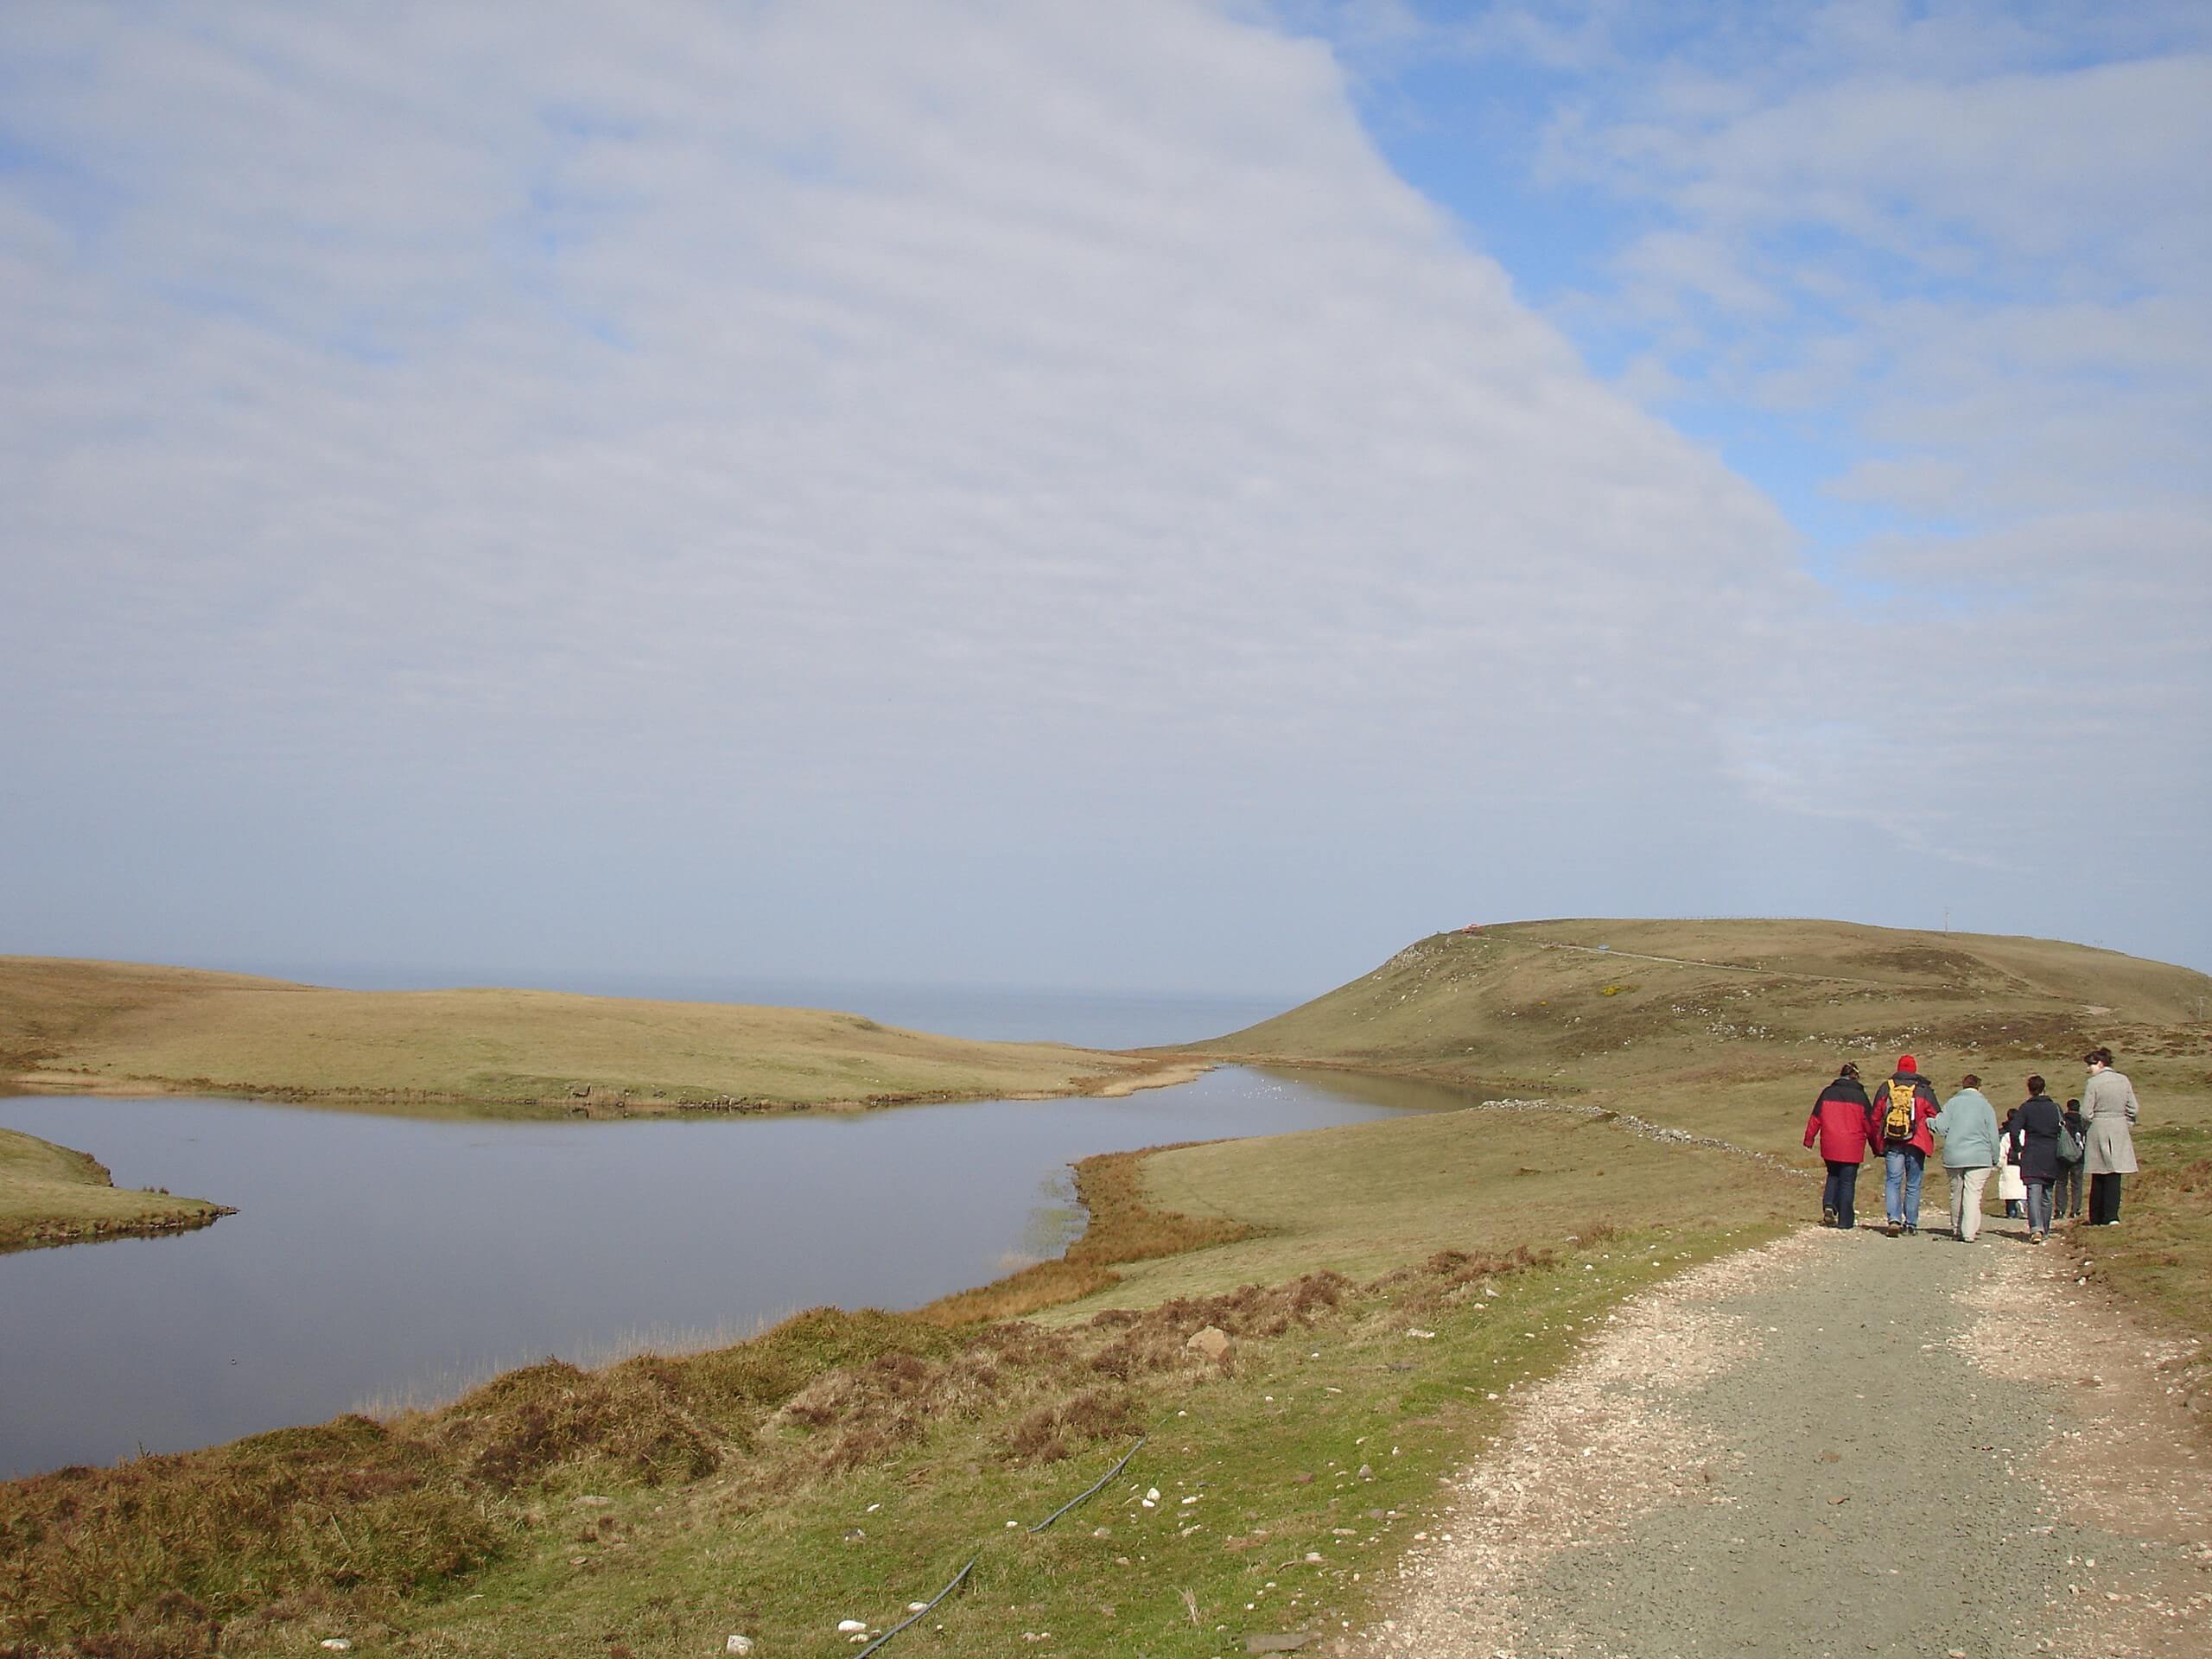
1729 1027
67 1023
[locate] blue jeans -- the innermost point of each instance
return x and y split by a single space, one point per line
1905 1166
2038 1207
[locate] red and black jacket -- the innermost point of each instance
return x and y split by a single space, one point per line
1843 1123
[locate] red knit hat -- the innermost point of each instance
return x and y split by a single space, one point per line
1906 1063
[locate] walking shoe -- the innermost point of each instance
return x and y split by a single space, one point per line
1894 1228
1913 1228
1828 1216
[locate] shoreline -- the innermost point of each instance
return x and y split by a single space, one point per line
593 1101
52 1195
42 1236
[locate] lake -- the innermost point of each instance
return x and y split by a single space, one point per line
379 1261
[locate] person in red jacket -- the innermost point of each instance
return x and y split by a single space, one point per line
1843 1123
1902 1108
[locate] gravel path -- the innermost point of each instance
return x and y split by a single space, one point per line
1838 1444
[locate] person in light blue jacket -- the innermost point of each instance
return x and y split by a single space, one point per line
1968 1126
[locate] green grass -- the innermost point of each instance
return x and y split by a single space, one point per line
52 1195
2160 1255
1366 1199
843 1466
82 1025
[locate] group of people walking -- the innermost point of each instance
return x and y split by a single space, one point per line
2040 1147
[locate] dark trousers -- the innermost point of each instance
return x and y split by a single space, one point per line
2066 1196
1843 1182
2104 1200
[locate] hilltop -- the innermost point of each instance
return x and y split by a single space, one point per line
1691 1013
106 1025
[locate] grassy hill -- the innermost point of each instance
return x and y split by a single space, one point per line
1700 1014
1728 1029
94 1025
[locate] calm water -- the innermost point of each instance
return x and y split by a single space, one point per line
378 1260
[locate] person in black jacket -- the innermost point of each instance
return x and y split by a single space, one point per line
2066 1196
2035 1123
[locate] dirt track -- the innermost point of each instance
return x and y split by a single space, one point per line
1840 1445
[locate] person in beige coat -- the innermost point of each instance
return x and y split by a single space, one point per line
2108 1106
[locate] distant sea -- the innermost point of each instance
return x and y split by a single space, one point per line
1086 1019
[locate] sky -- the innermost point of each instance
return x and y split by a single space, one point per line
1182 496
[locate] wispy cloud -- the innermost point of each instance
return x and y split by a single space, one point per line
779 458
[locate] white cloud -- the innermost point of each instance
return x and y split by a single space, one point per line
897 424
781 458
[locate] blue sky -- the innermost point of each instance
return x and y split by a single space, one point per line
1185 496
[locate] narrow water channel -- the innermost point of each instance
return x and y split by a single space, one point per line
380 1261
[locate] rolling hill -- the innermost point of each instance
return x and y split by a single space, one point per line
1729 1027
122 1026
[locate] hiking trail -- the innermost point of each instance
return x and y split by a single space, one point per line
1840 1444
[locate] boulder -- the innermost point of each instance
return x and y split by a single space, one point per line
1212 1342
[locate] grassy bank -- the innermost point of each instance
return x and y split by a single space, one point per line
51 1195
107 1026
1415 1271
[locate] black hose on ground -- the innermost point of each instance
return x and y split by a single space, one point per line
1089 1491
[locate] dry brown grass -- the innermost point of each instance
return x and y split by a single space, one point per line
1121 1228
155 1554
170 1555
86 1025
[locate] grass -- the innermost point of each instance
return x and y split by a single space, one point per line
842 1466
1737 1026
84 1025
735 1479
1122 1227
52 1195
1386 1289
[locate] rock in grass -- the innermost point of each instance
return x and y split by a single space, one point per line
738 1645
1212 1342
850 1626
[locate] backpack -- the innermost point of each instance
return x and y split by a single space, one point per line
1897 1116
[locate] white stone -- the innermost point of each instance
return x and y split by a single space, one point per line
738 1645
846 1626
